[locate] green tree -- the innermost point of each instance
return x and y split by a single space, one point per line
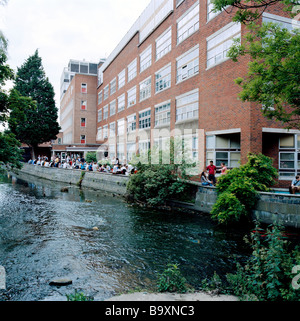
42 125
273 78
10 154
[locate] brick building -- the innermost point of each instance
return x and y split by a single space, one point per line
78 109
169 76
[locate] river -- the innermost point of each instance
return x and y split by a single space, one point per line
46 234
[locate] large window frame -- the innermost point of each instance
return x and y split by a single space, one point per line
162 114
163 78
188 23
145 89
187 106
131 97
187 65
219 43
163 44
146 58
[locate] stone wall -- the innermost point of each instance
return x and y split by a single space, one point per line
99 181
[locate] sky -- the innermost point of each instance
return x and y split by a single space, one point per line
65 29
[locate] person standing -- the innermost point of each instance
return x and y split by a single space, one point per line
212 172
223 169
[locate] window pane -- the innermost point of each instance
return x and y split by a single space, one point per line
287 141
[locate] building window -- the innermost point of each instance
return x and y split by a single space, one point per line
105 131
121 103
131 99
144 146
121 79
132 70
131 123
82 122
105 112
187 65
163 79
105 92
112 129
164 44
113 86
83 105
82 139
187 106
112 108
289 156
286 23
145 59
121 127
210 13
224 149
99 133
130 151
145 89
84 88
100 97
145 119
219 43
188 23
162 114
120 152
99 115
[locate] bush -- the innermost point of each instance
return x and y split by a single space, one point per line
171 280
78 296
91 157
228 208
240 186
267 276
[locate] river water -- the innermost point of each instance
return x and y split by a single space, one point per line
46 234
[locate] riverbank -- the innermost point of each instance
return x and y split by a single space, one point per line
271 207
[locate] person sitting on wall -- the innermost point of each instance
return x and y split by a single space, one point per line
204 179
295 186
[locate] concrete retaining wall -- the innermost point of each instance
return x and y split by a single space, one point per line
99 181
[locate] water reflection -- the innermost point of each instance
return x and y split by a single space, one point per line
46 234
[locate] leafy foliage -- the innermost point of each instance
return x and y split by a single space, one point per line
78 296
10 153
267 276
237 190
154 184
171 280
273 78
91 157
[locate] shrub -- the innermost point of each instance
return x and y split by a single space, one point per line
240 186
78 296
171 280
91 157
267 276
228 208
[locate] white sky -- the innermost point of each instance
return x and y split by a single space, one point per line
65 29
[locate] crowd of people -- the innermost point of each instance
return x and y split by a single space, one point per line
113 167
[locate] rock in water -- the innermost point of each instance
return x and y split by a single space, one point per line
60 282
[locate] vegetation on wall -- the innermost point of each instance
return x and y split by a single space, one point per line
157 181
237 190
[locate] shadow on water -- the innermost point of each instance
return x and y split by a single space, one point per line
46 234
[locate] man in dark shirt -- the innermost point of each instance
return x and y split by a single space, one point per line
212 172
